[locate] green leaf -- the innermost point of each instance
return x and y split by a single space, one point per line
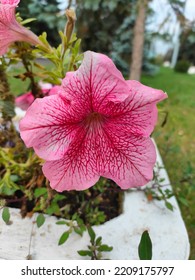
183 201
161 180
29 20
79 220
6 215
98 241
39 192
145 247
78 231
5 189
75 49
40 220
63 238
53 209
169 205
84 253
59 197
91 234
105 248
61 223
14 178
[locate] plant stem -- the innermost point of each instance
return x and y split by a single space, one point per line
29 257
36 90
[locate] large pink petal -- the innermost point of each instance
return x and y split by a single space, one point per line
138 113
65 175
49 126
127 160
77 169
96 82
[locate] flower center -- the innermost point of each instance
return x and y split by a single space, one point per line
93 118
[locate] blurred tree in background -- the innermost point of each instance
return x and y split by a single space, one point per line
106 26
183 50
187 48
48 15
138 40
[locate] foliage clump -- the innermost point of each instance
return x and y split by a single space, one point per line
182 66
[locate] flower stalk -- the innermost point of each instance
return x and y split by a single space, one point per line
7 111
6 98
35 88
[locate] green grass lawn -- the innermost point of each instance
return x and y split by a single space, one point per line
176 139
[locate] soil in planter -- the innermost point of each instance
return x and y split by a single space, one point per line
93 206
23 186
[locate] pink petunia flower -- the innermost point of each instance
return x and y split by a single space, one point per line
25 100
54 90
98 125
10 30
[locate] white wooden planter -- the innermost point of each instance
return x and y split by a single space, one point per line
166 229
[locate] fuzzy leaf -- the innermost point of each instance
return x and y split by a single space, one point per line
6 215
63 238
84 253
98 241
78 231
91 234
105 248
145 247
39 192
61 223
169 205
40 220
59 197
53 208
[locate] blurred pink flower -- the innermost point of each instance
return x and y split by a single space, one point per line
98 125
25 100
54 90
10 29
